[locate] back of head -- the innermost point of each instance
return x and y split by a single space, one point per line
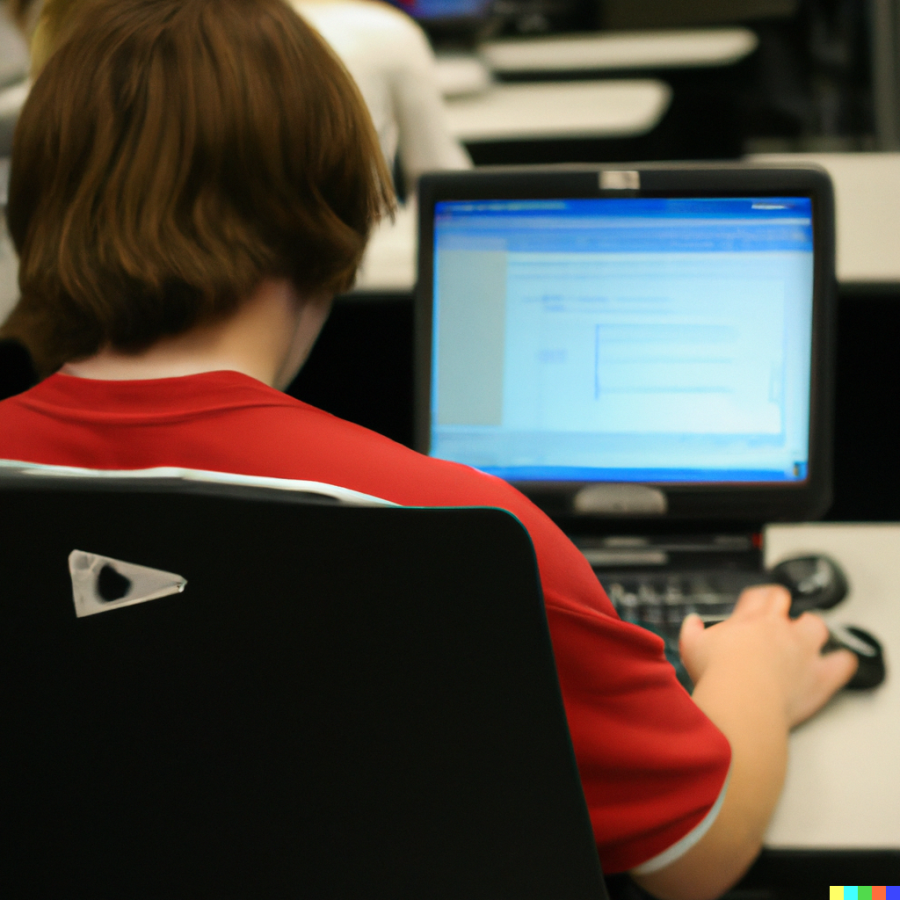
171 155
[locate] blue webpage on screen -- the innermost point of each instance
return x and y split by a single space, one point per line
627 340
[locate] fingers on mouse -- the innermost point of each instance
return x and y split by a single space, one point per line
815 582
868 651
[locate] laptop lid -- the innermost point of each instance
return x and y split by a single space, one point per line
652 341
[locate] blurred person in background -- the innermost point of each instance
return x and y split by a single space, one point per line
392 62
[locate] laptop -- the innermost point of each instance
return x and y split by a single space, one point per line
645 351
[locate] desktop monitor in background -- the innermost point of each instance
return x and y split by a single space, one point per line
445 10
453 21
645 342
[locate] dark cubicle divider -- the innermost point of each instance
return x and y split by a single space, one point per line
16 371
361 369
867 406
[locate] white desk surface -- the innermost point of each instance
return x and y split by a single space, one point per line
626 50
9 273
389 264
843 781
867 199
13 98
559 110
13 52
461 74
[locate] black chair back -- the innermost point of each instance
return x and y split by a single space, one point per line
343 702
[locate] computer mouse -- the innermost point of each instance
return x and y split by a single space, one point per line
868 651
815 582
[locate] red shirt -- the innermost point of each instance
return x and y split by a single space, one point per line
652 765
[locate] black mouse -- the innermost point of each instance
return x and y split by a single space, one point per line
868 651
815 582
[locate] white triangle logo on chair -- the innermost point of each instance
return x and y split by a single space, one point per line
100 583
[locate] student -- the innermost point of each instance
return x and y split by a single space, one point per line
192 181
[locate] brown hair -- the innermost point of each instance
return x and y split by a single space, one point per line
171 155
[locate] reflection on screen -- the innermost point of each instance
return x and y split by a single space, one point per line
624 340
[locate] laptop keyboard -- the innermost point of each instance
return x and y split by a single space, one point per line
659 601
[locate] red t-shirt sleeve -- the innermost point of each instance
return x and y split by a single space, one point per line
652 764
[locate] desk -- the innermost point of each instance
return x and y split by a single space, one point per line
843 781
592 109
13 53
9 274
621 52
461 74
9 263
867 199
389 263
11 101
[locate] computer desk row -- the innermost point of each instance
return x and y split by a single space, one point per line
702 48
599 52
577 109
481 109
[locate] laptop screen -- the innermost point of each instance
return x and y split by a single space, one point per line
633 339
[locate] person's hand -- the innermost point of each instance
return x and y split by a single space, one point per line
760 644
756 675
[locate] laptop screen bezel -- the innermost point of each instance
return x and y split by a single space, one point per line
770 501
